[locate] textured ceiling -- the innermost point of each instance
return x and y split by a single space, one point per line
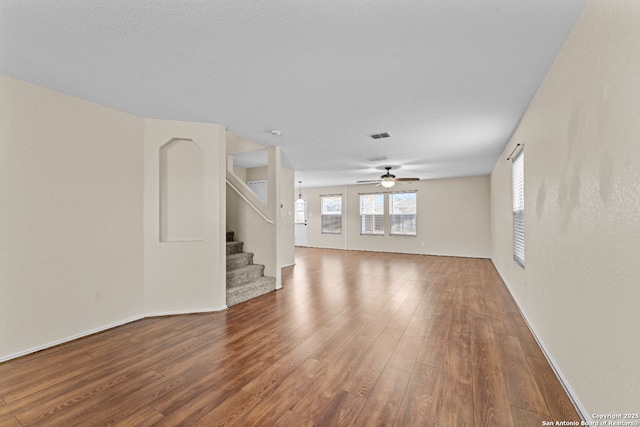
449 80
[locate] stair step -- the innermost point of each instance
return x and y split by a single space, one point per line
245 280
250 290
244 274
238 260
234 247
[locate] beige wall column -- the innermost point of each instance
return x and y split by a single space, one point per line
274 191
185 274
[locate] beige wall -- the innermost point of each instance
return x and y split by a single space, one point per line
287 237
316 238
258 173
580 289
272 244
71 248
185 276
453 219
79 219
240 172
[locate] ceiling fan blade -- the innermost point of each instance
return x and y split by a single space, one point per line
407 179
368 182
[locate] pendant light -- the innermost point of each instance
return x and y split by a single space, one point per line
300 201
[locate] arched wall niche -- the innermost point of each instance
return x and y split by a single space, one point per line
181 191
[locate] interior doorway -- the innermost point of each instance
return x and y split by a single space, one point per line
301 222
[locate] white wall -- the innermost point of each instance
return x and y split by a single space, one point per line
185 276
453 219
71 185
580 289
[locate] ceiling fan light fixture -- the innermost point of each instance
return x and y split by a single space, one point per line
388 182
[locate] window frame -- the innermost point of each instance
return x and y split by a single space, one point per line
414 214
330 215
377 217
518 208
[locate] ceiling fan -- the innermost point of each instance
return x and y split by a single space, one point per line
388 180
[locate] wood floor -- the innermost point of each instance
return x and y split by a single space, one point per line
353 338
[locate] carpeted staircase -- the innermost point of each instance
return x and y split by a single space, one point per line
245 280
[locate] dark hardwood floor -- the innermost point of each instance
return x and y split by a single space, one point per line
353 338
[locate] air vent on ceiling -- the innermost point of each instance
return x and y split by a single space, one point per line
380 135
377 159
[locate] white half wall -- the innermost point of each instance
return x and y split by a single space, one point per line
71 246
580 291
185 276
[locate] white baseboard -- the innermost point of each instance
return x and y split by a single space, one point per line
104 328
579 407
68 339
180 312
401 253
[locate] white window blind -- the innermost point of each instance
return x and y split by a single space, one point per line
518 208
402 213
372 214
331 214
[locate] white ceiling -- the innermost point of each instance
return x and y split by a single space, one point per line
448 79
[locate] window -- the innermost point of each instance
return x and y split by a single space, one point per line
372 214
300 212
518 208
402 213
331 214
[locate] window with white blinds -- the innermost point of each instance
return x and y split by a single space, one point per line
518 208
402 213
331 214
372 214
